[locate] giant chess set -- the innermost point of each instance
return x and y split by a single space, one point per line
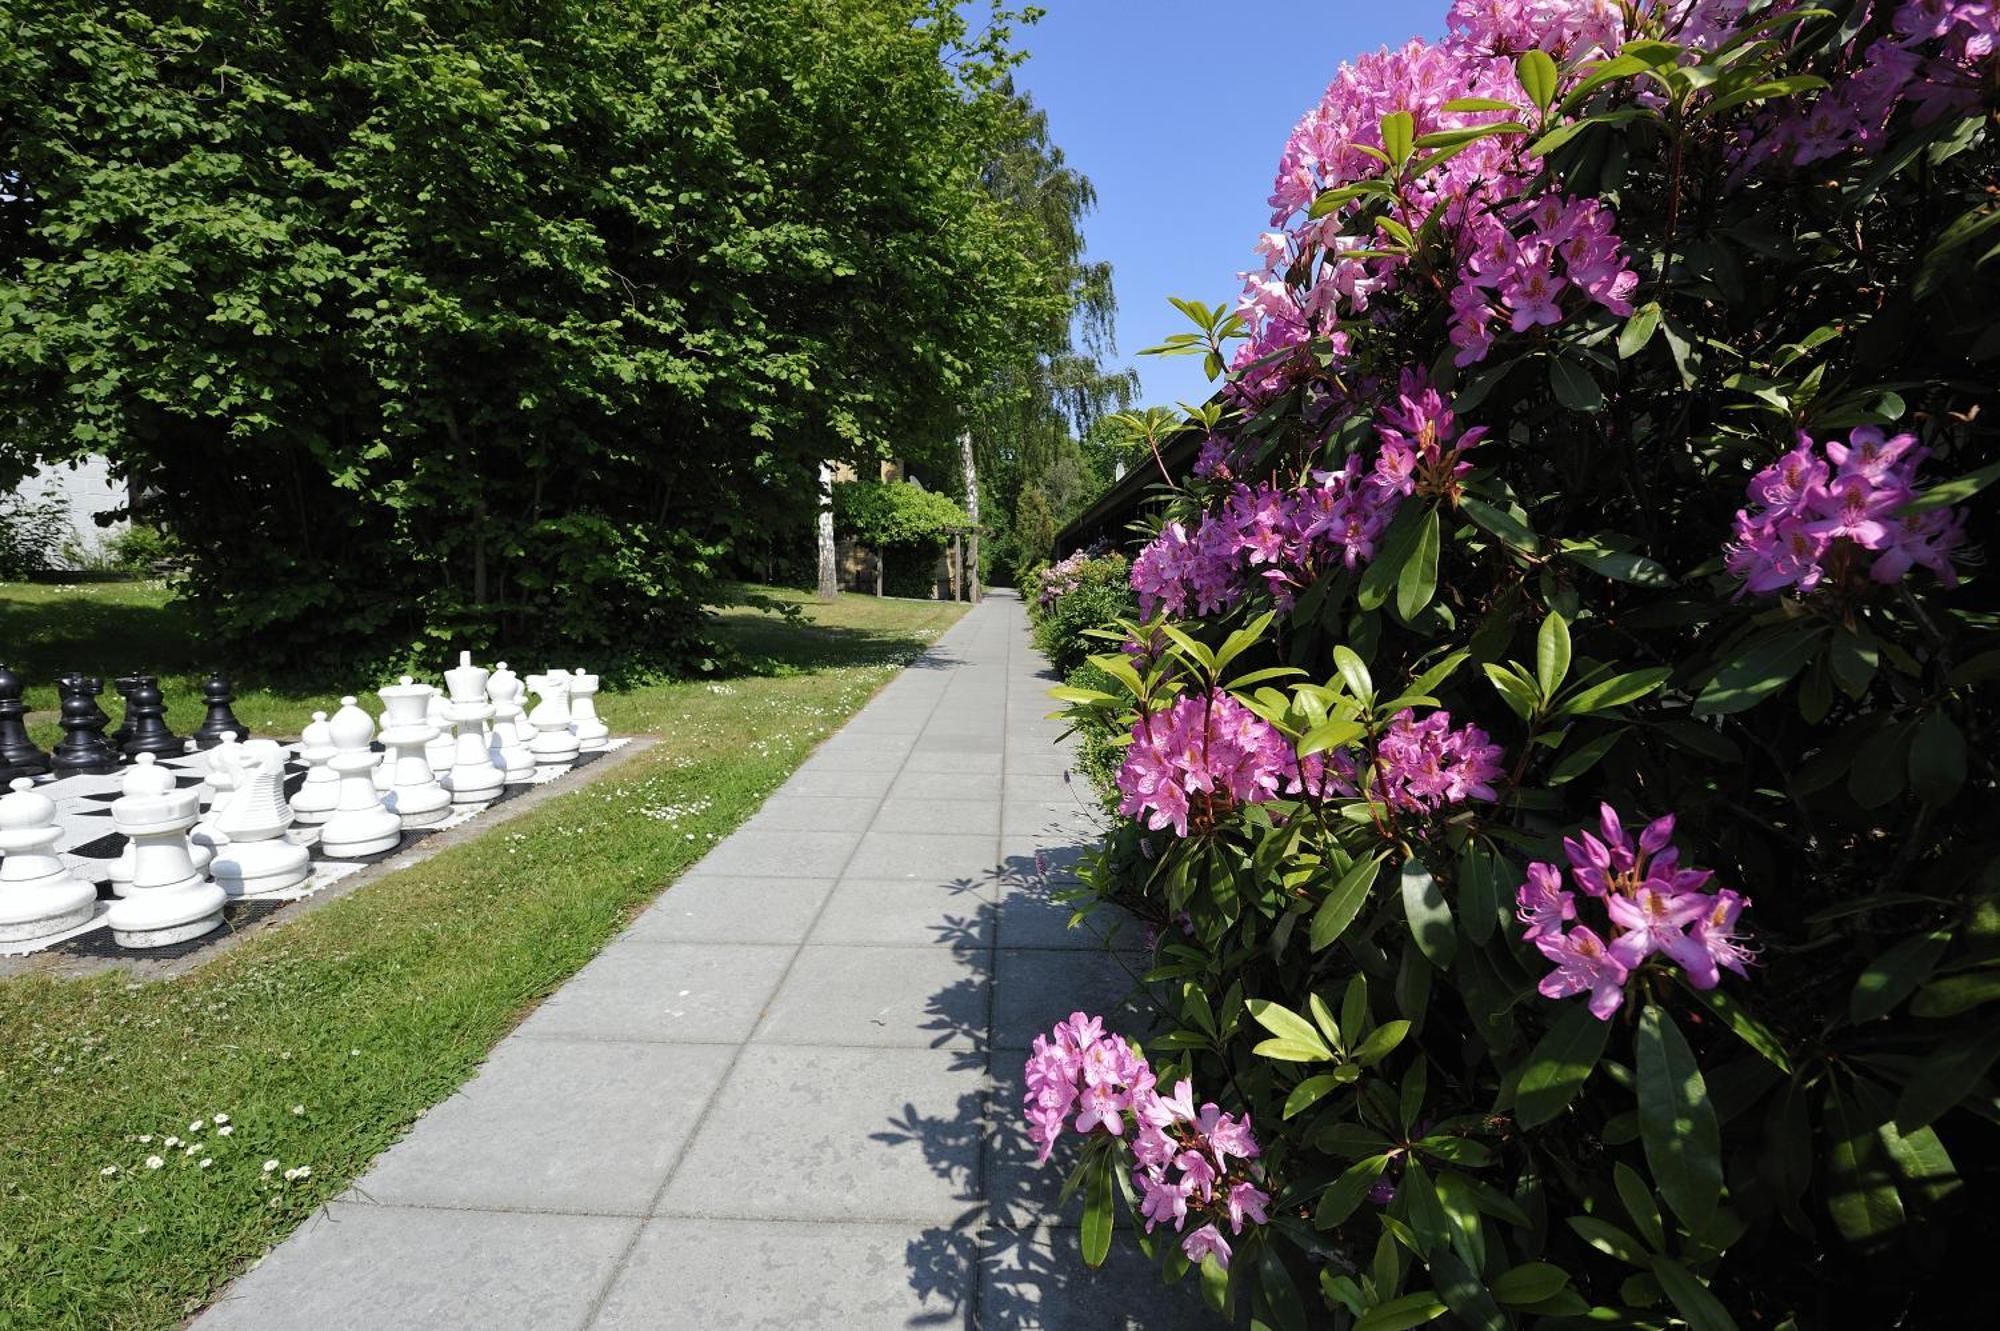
138 841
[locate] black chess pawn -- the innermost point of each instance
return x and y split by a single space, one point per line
124 684
147 715
220 720
84 747
18 754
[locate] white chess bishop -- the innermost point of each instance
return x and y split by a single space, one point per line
169 900
225 777
38 894
553 744
414 794
359 825
509 749
591 733
320 794
257 858
473 779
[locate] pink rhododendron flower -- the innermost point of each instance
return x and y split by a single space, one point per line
1821 508
1654 906
1206 1242
1198 758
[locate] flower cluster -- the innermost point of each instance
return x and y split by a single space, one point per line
1929 58
1061 578
1819 508
1519 269
1185 1161
1419 766
1422 448
1652 905
1199 758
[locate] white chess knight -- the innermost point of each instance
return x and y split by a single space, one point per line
225 778
169 900
473 779
553 744
257 858
591 733
320 794
414 793
508 750
38 894
359 825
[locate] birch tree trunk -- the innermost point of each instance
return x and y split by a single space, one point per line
969 569
829 566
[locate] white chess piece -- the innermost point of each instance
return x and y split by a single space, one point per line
442 751
553 745
473 778
199 851
415 795
226 775
509 749
38 894
258 858
169 900
360 825
591 733
320 794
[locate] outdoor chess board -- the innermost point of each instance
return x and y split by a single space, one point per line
90 845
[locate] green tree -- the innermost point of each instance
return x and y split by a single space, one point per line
475 323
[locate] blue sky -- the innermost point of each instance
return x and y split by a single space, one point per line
1177 110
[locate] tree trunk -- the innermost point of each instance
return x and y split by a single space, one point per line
969 567
881 563
829 565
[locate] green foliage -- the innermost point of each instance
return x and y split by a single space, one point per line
141 548
472 324
1100 740
1070 600
1810 1145
1034 533
894 513
32 530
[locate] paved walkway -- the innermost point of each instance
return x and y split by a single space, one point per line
788 1095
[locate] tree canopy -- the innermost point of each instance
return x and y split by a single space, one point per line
504 323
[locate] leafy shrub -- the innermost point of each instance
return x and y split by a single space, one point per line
32 531
141 548
1561 768
904 523
1068 600
1100 739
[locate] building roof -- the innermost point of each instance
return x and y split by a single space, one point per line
1108 521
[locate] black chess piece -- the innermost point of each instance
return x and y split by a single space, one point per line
84 747
18 754
125 684
147 714
220 720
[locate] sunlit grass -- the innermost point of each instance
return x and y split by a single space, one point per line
322 1039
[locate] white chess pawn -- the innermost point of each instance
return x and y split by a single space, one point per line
553 745
442 751
360 825
414 795
38 894
473 778
320 794
225 776
591 733
169 900
509 749
258 858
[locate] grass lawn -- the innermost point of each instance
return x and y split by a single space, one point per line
323 1038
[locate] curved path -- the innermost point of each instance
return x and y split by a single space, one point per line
788 1095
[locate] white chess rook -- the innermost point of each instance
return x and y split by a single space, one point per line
591 733
258 858
169 900
553 745
38 894
360 825
509 746
473 778
414 794
319 796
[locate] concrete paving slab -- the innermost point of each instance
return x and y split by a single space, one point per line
907 913
793 855
903 813
673 993
1034 988
707 908
924 997
814 813
939 857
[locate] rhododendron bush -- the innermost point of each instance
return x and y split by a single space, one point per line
1560 770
